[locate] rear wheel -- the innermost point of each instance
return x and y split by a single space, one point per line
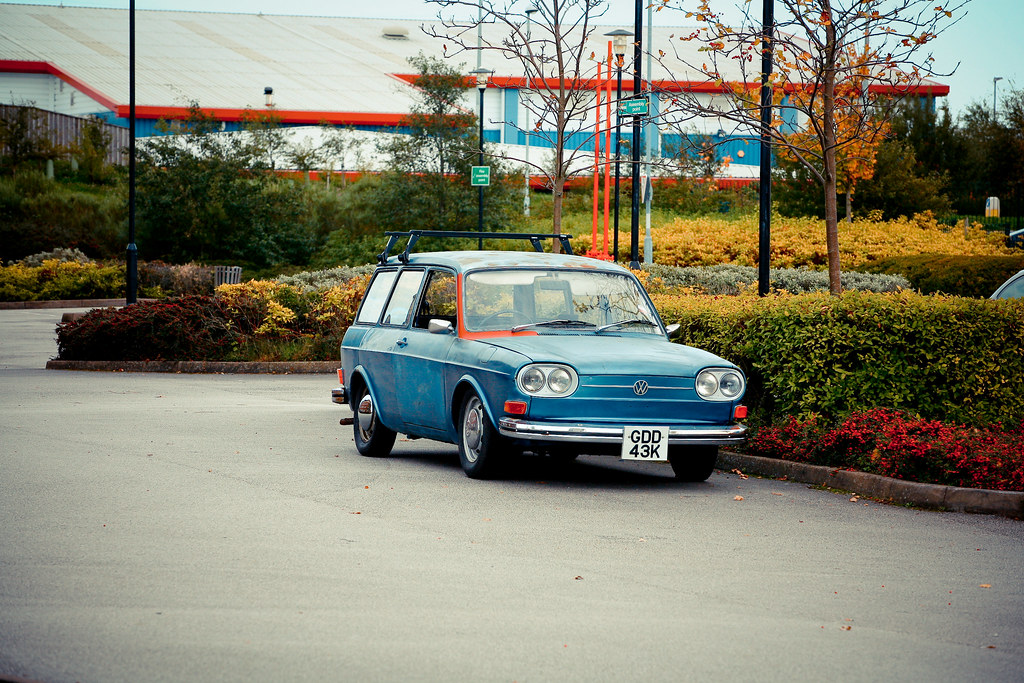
372 438
693 463
481 448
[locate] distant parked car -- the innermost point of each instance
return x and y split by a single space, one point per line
1012 288
502 352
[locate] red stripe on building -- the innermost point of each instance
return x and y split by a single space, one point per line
28 67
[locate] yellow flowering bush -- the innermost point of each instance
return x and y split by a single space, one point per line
795 242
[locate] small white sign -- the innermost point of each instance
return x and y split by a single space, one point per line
645 443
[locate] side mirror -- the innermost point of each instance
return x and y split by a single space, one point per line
438 326
672 330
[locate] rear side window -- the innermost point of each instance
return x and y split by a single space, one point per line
400 305
376 295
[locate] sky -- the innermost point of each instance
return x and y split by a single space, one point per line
986 43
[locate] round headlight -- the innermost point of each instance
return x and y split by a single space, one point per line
730 385
559 381
533 380
707 384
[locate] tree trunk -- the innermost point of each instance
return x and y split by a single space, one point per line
849 206
828 133
557 193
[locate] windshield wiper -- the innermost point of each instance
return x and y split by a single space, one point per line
631 321
554 323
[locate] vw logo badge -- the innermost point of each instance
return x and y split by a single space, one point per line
640 388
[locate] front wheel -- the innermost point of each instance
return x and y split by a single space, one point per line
372 438
693 463
480 445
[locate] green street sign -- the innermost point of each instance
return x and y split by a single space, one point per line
481 176
633 107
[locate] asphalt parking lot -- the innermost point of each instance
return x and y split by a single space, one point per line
165 527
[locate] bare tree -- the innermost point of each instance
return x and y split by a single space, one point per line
554 59
839 69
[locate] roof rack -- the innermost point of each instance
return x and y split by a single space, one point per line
414 236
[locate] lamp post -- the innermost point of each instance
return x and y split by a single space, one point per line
994 81
482 76
638 52
131 252
620 41
526 195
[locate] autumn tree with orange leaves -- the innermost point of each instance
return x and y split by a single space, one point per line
840 67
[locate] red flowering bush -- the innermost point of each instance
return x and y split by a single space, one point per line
191 327
895 444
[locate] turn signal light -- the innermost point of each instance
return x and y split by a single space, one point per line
341 376
740 413
515 407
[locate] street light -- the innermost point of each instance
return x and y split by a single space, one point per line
620 41
634 228
482 76
994 81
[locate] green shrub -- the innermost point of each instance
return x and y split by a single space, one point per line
324 279
37 214
976 276
943 358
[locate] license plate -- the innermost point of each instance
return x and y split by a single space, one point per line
645 443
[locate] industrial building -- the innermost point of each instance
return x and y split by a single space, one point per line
310 70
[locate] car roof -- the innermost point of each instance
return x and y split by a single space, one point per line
465 261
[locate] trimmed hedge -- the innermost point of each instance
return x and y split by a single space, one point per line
976 276
943 358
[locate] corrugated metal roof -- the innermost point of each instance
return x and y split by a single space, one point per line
221 60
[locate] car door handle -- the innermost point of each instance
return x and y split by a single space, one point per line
401 343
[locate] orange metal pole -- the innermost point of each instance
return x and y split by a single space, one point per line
607 146
597 153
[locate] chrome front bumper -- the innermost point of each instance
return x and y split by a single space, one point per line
339 395
584 433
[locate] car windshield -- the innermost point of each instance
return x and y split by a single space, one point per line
552 301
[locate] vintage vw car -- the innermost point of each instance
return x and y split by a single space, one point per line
503 352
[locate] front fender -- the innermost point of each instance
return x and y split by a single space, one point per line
464 385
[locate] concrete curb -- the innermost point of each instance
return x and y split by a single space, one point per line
887 489
67 303
199 367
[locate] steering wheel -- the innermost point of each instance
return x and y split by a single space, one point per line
523 318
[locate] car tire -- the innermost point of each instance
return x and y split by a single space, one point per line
372 438
481 448
693 463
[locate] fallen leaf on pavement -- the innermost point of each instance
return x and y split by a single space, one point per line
738 498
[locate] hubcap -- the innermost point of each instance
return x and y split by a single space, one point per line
364 413
472 429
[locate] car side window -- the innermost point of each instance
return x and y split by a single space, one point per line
438 300
376 296
400 305
1015 290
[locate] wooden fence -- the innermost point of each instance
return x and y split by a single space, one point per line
66 131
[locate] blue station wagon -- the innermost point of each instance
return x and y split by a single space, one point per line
503 352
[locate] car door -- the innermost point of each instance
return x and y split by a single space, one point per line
420 370
383 343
